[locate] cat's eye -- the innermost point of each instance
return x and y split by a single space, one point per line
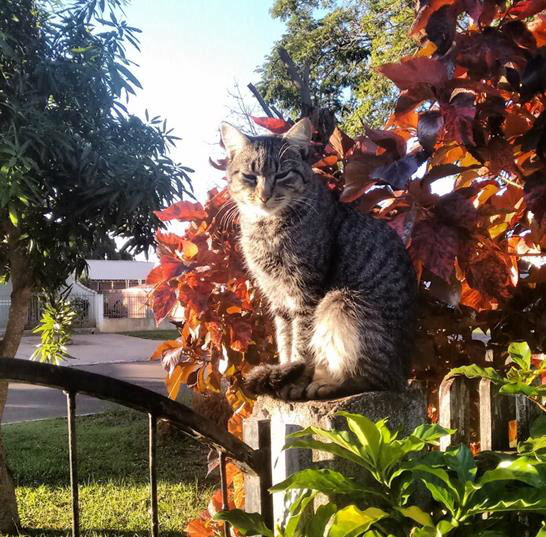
282 175
249 178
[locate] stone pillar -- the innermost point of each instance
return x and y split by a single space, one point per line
405 409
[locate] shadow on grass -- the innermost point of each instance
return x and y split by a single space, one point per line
111 447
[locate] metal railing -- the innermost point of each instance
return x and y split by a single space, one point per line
158 407
125 306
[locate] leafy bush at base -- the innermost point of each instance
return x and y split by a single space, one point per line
499 496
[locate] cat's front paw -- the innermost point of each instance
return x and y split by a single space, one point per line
257 382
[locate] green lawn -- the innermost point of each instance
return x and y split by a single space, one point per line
113 476
163 335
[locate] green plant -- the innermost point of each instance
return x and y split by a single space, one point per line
463 499
525 375
55 329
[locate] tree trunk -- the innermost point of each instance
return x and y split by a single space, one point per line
21 280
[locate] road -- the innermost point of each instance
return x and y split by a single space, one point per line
118 356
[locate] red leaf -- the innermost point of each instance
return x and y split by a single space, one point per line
441 28
459 117
429 127
409 100
527 8
417 70
436 244
164 301
535 199
326 162
183 211
500 156
426 9
398 173
341 142
273 124
457 210
357 175
196 297
485 54
394 144
155 275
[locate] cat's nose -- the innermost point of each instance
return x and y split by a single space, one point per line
264 197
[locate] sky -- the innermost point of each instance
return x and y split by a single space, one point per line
192 53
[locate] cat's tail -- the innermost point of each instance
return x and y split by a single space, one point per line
271 379
336 341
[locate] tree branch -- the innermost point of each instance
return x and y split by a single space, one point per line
301 81
260 99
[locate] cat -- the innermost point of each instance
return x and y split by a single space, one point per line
340 284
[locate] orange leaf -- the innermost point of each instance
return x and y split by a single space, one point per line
325 162
190 249
183 211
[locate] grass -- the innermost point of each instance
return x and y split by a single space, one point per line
163 335
113 476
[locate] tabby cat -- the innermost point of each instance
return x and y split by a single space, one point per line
340 284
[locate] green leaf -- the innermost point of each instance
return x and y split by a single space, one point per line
317 524
519 388
339 438
246 523
439 484
351 521
523 499
474 371
298 509
461 461
417 514
326 481
542 531
520 354
444 527
430 433
328 447
13 217
367 433
522 469
538 427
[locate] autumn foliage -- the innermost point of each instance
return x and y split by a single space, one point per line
459 171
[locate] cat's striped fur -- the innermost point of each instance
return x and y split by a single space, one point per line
341 286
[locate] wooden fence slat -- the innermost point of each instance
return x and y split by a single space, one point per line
257 434
454 410
496 411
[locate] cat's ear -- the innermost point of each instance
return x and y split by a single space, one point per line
300 133
232 138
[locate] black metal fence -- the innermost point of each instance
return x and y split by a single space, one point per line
82 303
73 381
125 306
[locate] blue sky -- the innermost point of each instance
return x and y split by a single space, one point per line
192 52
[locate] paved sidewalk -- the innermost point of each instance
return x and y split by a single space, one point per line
118 356
98 348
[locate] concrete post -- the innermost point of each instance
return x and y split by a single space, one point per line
405 409
98 308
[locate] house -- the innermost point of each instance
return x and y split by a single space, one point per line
106 276
112 296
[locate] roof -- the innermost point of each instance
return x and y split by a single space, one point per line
99 269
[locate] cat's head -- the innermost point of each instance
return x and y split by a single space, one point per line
266 174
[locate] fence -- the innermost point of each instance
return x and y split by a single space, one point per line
73 381
126 306
82 303
503 420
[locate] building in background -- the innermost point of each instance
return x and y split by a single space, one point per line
106 276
